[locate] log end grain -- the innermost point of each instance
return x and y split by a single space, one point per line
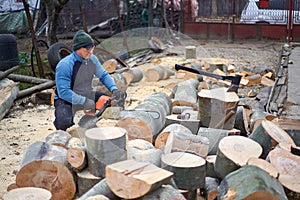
25 193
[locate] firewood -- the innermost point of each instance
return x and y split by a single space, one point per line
187 142
250 182
85 181
76 157
189 169
128 75
167 71
288 166
28 193
51 175
217 101
257 117
154 73
9 91
110 65
131 179
210 166
241 121
264 165
268 135
234 152
36 88
186 89
165 192
137 74
59 137
144 151
105 145
253 79
100 188
211 188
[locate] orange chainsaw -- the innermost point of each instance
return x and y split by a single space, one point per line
90 118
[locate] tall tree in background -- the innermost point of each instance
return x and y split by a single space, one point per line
53 9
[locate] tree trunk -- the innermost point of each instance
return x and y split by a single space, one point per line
154 74
251 183
189 170
28 193
131 179
234 152
105 145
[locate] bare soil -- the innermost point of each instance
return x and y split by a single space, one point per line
27 123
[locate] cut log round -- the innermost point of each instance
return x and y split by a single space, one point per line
210 166
288 166
51 175
192 124
76 157
250 182
137 74
110 65
211 188
189 169
264 165
165 192
59 137
217 101
105 145
268 135
186 89
100 188
85 181
154 74
167 71
234 152
241 121
257 117
131 179
144 151
25 193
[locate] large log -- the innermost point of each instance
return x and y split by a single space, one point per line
85 181
189 169
234 152
9 91
100 188
165 192
217 101
110 65
250 182
211 188
268 135
28 193
288 166
77 159
186 89
257 117
51 175
143 151
59 138
241 121
154 74
131 179
105 145
264 165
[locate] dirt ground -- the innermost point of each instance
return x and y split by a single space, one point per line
28 123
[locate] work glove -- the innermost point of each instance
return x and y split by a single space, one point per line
119 97
89 104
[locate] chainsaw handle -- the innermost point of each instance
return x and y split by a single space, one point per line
88 112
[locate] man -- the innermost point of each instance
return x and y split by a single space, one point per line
73 76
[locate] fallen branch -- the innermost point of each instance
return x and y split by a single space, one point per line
35 89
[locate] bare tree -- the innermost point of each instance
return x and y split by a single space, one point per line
53 9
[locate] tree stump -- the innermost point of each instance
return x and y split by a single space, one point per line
105 145
187 142
217 101
268 135
288 166
143 151
131 179
264 165
250 182
165 192
189 169
28 193
234 152
51 175
100 188
85 181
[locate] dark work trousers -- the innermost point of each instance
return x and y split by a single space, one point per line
65 112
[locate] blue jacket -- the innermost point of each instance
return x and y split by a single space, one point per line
76 89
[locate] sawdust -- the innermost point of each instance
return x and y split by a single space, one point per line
26 124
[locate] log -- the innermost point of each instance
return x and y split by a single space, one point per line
167 71
257 117
234 152
85 181
98 197
217 101
162 137
264 165
27 79
186 89
44 151
100 188
36 88
77 159
190 52
210 166
105 145
51 175
288 166
268 135
241 121
28 193
110 65
131 179
187 142
250 182
253 79
59 138
143 151
134 74
165 192
7 72
189 169
9 91
154 74
211 188
128 75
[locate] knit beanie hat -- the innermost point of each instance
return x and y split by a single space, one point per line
81 39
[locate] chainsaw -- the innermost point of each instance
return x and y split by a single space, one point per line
90 118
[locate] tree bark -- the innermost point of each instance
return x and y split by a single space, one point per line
165 192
